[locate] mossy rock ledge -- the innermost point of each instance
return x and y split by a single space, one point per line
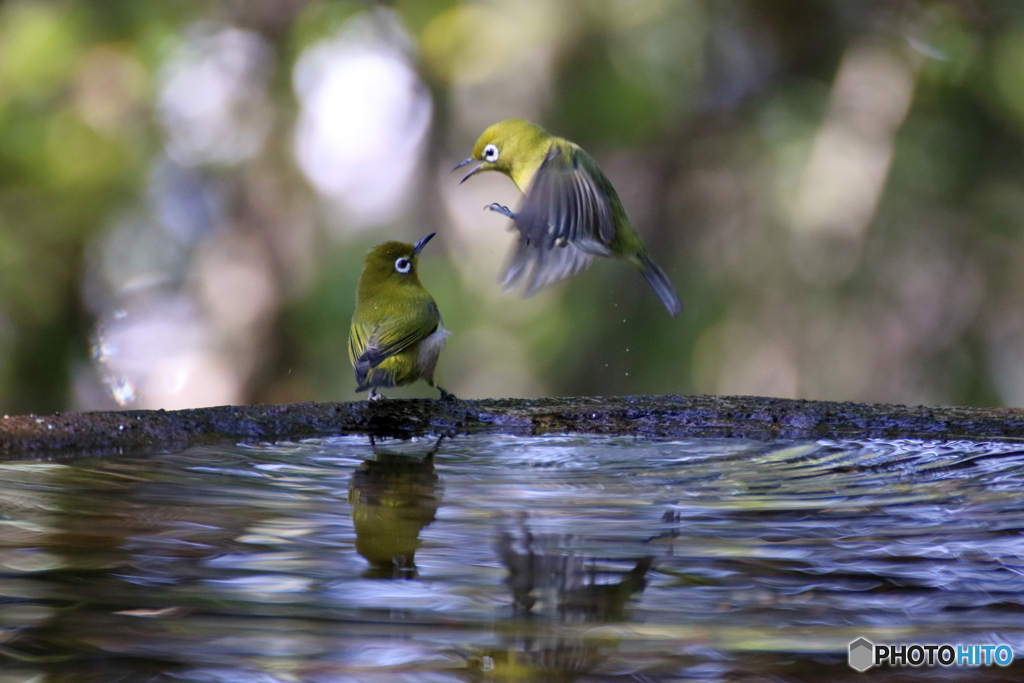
664 416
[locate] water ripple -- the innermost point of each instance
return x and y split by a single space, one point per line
502 558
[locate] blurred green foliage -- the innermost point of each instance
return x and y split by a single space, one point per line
745 138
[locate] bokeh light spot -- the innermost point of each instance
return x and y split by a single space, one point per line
365 115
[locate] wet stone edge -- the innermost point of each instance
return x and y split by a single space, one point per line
662 416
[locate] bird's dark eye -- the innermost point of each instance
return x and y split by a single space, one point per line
403 265
491 153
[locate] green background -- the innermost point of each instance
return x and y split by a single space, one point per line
835 188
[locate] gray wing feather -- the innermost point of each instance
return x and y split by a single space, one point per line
564 222
539 267
565 204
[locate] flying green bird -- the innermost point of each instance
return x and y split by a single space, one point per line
571 212
397 333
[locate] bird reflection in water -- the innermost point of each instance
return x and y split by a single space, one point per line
393 498
542 569
551 584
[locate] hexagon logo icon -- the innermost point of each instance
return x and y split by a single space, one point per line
862 654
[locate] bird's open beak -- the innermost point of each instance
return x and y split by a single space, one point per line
474 171
422 243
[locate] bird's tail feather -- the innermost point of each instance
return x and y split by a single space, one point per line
661 285
369 374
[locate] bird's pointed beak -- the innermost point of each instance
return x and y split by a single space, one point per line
422 243
474 171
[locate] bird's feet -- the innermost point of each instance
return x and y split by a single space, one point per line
447 396
374 396
503 210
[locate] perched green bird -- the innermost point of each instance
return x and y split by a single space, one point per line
571 212
397 333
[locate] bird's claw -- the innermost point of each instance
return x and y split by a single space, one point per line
374 396
503 210
447 396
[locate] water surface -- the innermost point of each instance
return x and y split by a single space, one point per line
510 559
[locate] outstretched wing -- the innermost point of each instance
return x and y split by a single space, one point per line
540 266
371 344
565 220
567 203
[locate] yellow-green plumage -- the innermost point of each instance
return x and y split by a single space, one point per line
397 333
571 212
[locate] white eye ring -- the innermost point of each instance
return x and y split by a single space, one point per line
403 265
491 153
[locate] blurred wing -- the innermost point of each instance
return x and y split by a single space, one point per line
566 220
370 344
567 204
539 266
